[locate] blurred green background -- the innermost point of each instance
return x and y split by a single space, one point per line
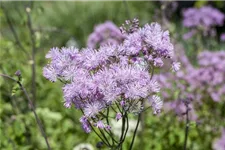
57 24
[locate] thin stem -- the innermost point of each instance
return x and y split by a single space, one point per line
32 36
186 128
135 131
95 130
146 108
127 127
110 133
118 107
123 130
13 30
113 109
32 108
97 134
103 134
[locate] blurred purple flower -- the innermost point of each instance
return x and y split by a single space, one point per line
179 109
205 16
175 66
204 19
118 116
219 144
106 33
222 37
85 124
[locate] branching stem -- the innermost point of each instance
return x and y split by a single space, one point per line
32 108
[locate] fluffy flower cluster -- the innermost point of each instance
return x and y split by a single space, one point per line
219 144
201 83
203 19
96 79
106 33
205 16
150 42
210 75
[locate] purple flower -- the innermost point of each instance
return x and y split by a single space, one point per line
118 116
158 62
92 108
175 66
100 125
85 124
96 79
50 73
122 103
156 104
106 33
207 78
202 19
219 144
179 109
154 85
108 127
222 37
205 16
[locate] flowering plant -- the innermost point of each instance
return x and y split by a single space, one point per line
202 19
106 33
114 81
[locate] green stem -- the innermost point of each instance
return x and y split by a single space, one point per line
135 131
186 129
32 108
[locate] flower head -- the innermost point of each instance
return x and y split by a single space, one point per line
156 104
117 71
118 116
175 66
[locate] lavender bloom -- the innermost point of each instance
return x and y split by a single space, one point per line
208 78
176 66
100 125
50 73
96 79
179 109
201 83
106 33
118 116
219 144
85 124
222 37
204 18
122 103
92 109
158 62
108 127
130 26
156 104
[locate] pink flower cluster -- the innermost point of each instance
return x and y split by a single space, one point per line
202 19
200 83
96 79
106 33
